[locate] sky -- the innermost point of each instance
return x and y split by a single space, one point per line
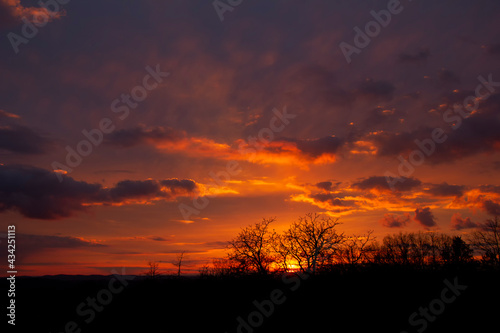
133 131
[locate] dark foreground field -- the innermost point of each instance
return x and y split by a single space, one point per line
372 300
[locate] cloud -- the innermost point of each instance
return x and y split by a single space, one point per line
380 183
320 84
132 189
445 190
477 133
492 49
340 202
44 241
329 198
395 221
317 147
376 90
142 135
12 12
447 76
425 217
216 245
417 58
391 143
491 207
22 140
5 114
159 239
490 188
33 244
37 193
278 151
458 223
327 186
379 117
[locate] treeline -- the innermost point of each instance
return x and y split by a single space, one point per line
313 244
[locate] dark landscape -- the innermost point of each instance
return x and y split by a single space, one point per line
376 299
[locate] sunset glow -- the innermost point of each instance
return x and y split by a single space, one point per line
153 128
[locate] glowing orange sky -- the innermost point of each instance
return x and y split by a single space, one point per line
220 114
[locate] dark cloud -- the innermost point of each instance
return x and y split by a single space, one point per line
478 133
493 49
319 83
425 217
491 207
159 239
380 182
127 189
98 172
395 221
445 190
137 189
490 188
382 90
327 186
327 197
140 135
43 241
458 223
475 134
37 193
179 185
417 58
32 244
447 76
386 117
318 147
216 245
392 143
22 140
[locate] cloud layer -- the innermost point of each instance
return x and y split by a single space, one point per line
37 193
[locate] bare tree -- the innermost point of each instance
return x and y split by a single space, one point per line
354 249
420 248
179 263
395 248
152 271
438 243
312 240
283 256
253 248
487 240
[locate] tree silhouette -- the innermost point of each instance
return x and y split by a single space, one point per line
414 248
152 271
461 252
396 248
487 240
179 263
252 247
312 241
354 249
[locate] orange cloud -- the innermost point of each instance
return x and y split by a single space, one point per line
32 14
301 153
